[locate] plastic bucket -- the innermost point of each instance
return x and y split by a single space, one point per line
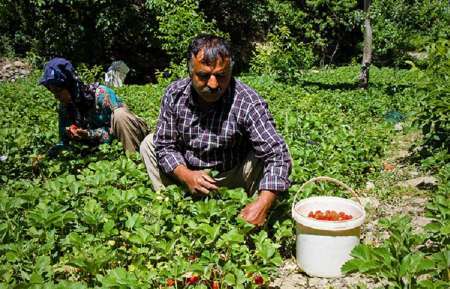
322 247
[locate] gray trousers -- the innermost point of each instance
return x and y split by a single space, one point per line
128 128
246 175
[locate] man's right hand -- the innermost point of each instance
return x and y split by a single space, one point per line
196 181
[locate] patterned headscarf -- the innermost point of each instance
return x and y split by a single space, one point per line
61 73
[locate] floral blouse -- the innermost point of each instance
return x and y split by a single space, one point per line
97 120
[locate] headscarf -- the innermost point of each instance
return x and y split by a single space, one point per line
61 73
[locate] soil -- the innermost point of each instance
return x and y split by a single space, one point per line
383 197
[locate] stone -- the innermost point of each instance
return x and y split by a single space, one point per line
426 182
370 185
421 221
18 63
398 126
369 202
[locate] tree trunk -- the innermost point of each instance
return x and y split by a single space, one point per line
367 52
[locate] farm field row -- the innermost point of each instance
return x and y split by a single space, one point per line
91 220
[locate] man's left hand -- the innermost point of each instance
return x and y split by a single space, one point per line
256 212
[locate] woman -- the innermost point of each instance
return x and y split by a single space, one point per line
90 114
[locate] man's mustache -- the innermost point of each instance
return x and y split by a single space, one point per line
208 90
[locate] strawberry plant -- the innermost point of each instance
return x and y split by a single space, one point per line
400 259
88 219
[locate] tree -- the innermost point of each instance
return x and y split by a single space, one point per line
367 51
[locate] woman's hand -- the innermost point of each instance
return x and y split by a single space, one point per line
82 133
77 133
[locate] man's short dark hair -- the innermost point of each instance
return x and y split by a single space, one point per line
215 46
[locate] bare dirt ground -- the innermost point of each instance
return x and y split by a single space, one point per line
396 191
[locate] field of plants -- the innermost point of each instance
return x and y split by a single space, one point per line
91 220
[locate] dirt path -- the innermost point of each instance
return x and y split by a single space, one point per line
395 191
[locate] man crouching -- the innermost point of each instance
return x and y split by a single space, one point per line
211 121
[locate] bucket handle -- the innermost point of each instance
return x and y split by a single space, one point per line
328 179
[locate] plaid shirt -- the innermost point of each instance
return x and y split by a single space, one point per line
220 137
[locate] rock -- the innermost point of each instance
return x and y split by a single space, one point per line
370 185
421 221
413 173
369 202
18 63
315 281
418 55
398 126
24 71
388 167
427 182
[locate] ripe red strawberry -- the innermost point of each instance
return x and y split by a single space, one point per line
215 285
258 279
192 280
329 215
170 282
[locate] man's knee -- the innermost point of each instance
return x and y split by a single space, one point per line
146 147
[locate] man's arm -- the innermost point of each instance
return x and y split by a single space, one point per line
256 212
165 139
271 148
168 152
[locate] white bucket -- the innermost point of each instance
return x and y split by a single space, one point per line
324 246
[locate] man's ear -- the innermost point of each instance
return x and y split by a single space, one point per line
189 67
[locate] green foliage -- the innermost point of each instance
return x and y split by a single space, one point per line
398 259
86 221
326 27
434 91
90 74
402 26
178 24
281 56
152 35
92 32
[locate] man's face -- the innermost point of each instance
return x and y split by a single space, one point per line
210 81
61 94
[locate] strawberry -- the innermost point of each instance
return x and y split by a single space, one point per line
329 215
258 279
192 280
215 285
170 282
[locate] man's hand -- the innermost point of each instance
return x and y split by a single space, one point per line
256 213
196 181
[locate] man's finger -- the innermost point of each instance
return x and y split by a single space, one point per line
209 186
209 179
202 190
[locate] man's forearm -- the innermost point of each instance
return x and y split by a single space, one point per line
267 197
181 172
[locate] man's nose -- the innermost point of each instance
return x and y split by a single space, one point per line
212 82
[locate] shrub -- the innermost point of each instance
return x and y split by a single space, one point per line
433 117
282 56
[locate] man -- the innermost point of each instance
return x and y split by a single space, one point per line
211 121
